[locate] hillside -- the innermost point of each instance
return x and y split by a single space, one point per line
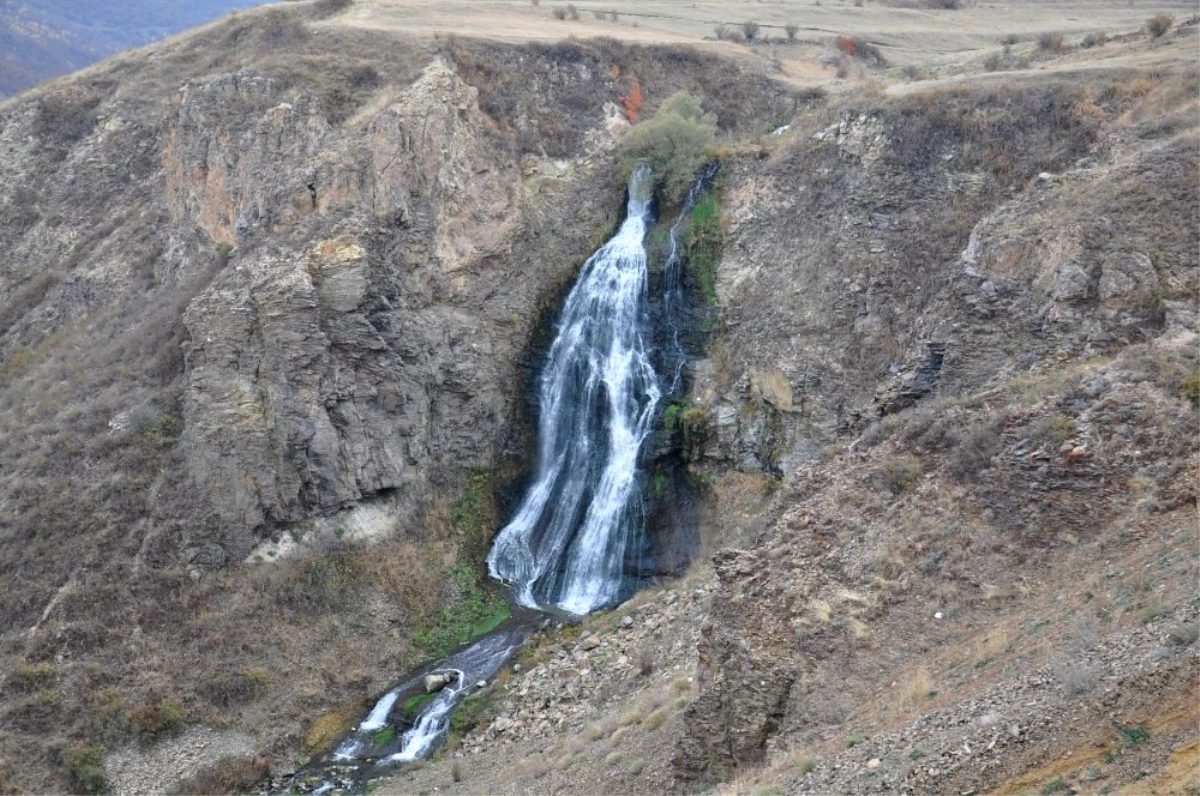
40 39
274 296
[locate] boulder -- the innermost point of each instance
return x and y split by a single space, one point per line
436 681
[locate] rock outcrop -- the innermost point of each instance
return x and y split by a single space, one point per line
745 673
318 371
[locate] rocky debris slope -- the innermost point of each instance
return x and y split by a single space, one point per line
588 708
974 370
634 648
135 770
1015 728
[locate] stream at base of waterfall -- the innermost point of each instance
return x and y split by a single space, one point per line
575 542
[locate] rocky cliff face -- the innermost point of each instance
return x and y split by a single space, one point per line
866 274
358 352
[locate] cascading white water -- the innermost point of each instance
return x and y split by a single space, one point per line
432 722
479 661
566 546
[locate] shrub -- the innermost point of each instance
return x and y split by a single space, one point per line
229 775
974 453
1056 429
902 474
1079 676
29 677
637 767
721 32
614 16
1010 39
323 9
598 14
228 690
85 764
1191 388
1050 42
1094 40
572 11
791 29
632 102
151 722
1134 735
861 49
675 143
280 28
64 122
559 13
1159 24
320 583
655 719
750 29
148 422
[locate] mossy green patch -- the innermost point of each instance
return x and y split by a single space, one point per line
704 244
479 610
467 714
471 514
412 707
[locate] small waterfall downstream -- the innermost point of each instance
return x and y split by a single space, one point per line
567 545
576 541
477 662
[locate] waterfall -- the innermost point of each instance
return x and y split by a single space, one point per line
566 546
576 540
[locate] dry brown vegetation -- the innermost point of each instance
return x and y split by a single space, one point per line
229 775
557 117
1159 24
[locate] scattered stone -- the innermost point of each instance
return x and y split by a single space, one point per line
1184 635
874 762
590 642
627 622
436 681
